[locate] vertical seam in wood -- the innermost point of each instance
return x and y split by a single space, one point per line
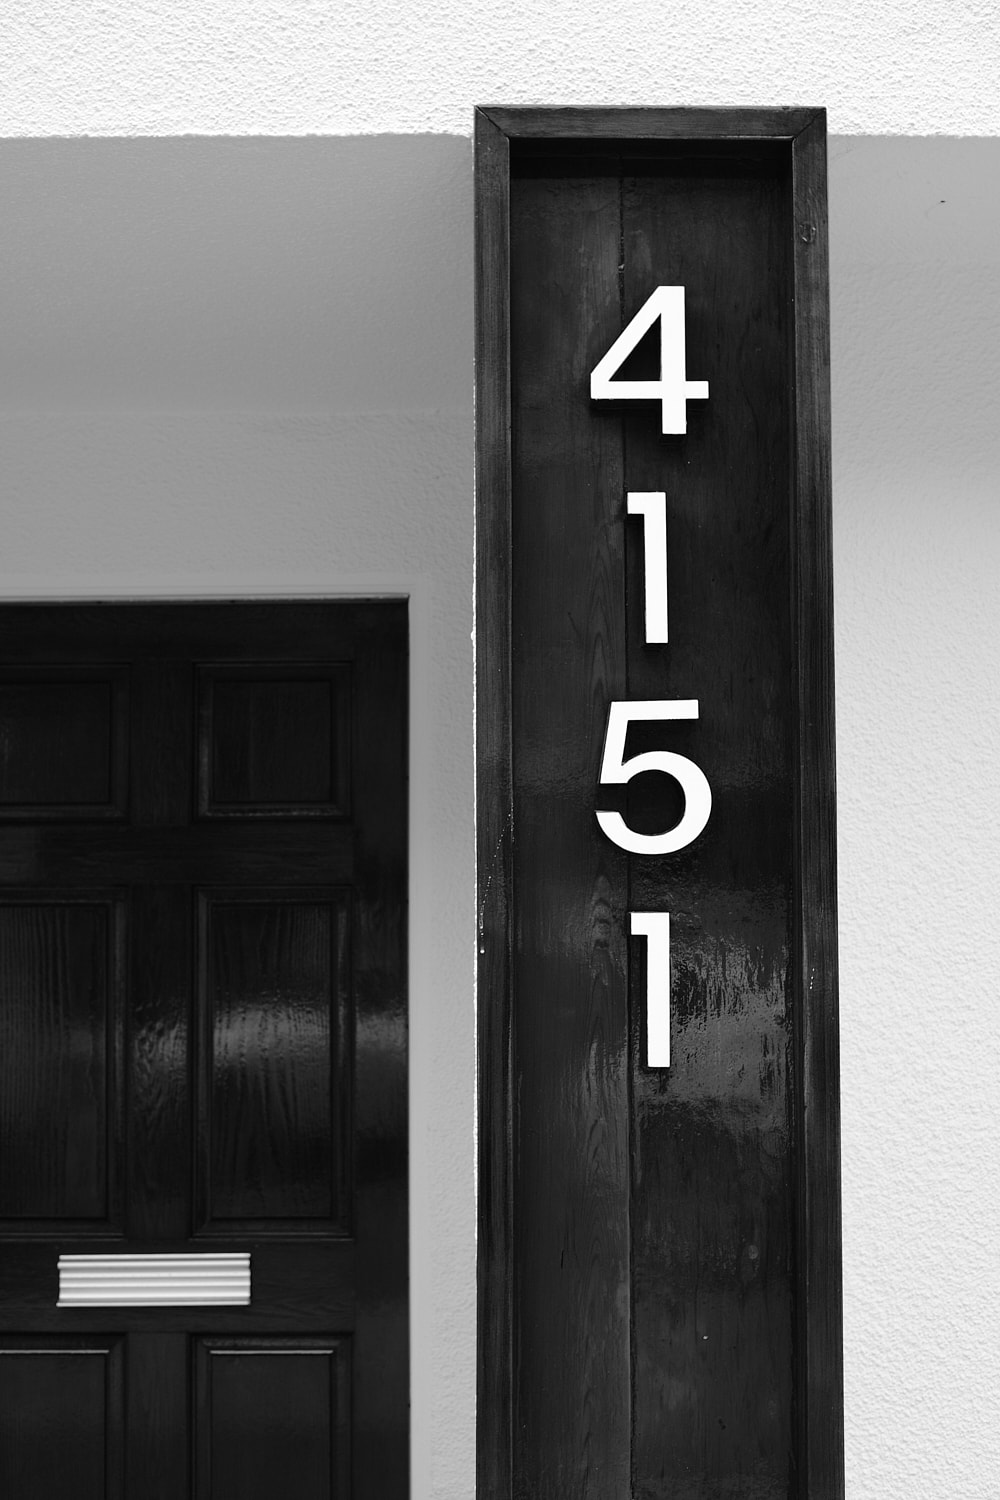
631 1059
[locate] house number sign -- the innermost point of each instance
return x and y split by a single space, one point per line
673 390
659 1294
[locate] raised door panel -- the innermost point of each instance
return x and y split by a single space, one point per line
63 742
570 1011
274 1029
272 1419
61 982
274 739
61 1406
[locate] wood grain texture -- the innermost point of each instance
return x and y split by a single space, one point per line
61 1428
712 1145
274 740
619 125
61 985
208 852
494 813
571 1254
380 1347
160 954
731 1172
63 742
247 630
820 1374
100 966
272 1417
158 1200
273 1063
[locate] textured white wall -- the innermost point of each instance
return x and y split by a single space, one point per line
298 67
245 366
916 393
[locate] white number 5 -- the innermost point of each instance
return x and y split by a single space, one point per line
615 770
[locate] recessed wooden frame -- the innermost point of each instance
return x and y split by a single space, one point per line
518 1450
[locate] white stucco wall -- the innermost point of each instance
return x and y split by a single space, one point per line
245 365
915 294
299 67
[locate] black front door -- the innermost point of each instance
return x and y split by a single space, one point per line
203 1231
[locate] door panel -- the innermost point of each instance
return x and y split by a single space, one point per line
274 1067
61 982
274 740
63 742
202 1008
61 1401
295 1394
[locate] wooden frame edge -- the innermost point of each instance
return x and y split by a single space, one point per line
494 813
680 123
820 1294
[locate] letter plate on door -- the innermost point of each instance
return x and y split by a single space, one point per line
154 1280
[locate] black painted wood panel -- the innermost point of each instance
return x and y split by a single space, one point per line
273 1419
380 1362
718 1324
63 742
712 1139
176 855
274 740
203 1009
297 1284
61 1406
494 815
689 127
61 984
274 1106
158 1402
571 1266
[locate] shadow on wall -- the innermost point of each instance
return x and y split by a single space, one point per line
915 311
204 274
318 275
915 303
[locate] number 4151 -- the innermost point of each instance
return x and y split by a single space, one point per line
673 390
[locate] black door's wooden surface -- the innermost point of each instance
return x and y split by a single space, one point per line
203 1045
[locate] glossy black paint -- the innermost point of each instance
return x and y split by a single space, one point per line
62 1406
713 1244
659 1250
278 1418
202 982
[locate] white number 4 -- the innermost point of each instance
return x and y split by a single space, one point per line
673 390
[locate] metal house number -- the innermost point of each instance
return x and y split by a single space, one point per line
673 390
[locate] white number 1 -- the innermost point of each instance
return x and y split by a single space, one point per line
652 506
673 390
654 926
